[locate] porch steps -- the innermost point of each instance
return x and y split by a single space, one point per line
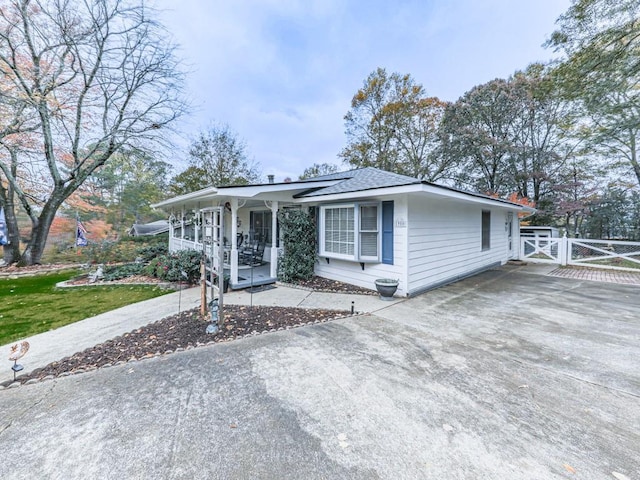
257 281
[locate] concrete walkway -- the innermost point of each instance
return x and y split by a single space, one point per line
62 342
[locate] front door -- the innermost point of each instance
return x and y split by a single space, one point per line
510 235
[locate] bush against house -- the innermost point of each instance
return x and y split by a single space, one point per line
298 233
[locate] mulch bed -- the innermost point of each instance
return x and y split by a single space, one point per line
14 270
181 332
319 284
84 280
187 329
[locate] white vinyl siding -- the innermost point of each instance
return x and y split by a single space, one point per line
445 241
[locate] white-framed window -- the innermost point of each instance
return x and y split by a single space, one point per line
486 230
350 231
369 235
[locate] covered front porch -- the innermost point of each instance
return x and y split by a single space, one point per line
248 226
251 273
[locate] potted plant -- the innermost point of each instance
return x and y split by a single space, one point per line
386 287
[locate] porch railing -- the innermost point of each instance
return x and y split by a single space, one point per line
176 244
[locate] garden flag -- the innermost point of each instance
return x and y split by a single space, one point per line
81 235
4 234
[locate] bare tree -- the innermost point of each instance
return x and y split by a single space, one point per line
318 169
80 80
221 156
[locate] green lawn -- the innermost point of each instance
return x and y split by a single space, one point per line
31 305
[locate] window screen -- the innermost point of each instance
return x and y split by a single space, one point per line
486 230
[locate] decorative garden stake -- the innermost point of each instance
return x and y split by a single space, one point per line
16 353
213 328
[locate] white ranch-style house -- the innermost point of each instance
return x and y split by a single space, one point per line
371 224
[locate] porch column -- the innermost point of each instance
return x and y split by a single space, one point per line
196 228
274 239
171 233
182 224
233 259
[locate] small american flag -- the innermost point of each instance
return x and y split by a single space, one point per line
81 235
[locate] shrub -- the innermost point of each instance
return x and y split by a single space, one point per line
149 252
122 271
126 249
298 233
170 267
102 252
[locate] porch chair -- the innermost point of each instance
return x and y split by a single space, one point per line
252 255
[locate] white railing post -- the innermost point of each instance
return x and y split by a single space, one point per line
274 239
563 250
234 241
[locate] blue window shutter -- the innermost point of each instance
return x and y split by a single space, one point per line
387 233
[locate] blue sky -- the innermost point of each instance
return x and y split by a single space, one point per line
281 73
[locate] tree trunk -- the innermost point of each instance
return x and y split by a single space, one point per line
35 248
40 230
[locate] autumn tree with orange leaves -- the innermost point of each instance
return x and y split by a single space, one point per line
79 81
392 125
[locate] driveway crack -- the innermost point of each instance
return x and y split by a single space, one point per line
24 412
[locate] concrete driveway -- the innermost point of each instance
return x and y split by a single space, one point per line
506 375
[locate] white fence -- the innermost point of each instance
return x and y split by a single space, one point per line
611 254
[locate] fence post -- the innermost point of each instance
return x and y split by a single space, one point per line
563 250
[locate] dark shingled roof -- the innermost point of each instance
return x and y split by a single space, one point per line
370 178
357 180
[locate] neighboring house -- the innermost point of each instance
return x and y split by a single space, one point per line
371 224
149 229
539 231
